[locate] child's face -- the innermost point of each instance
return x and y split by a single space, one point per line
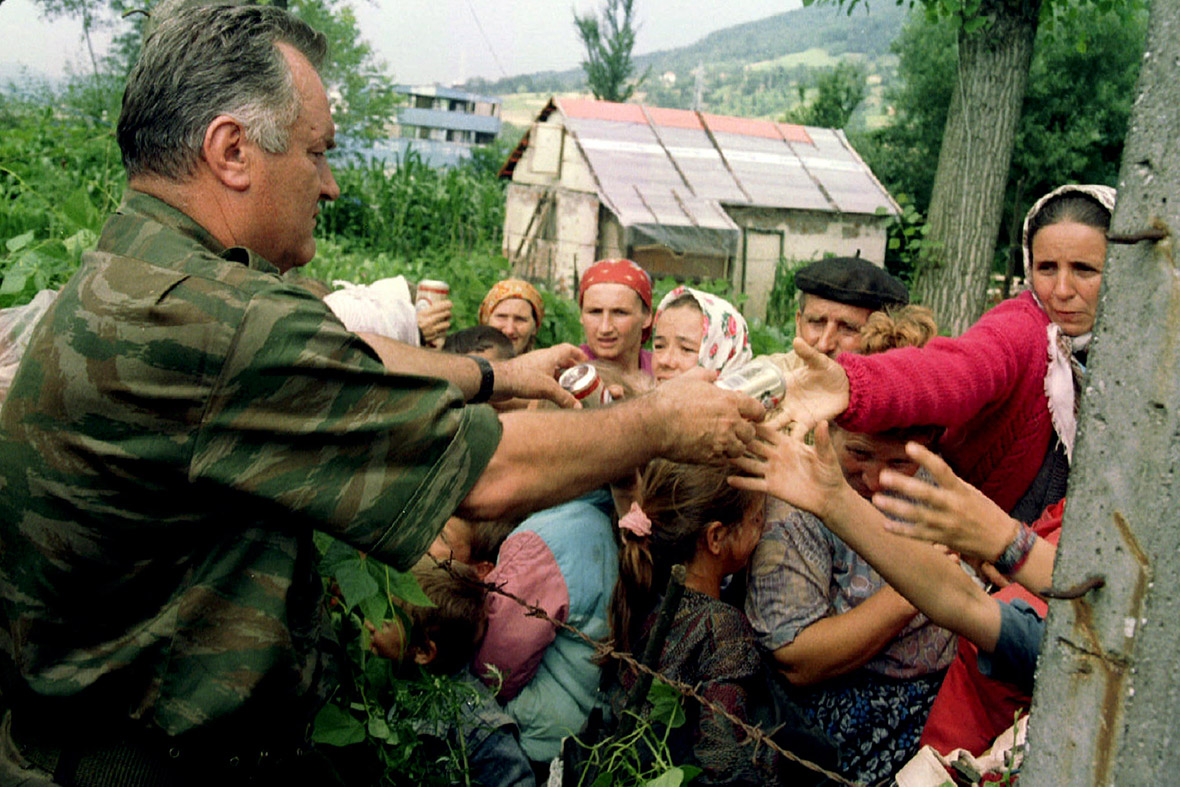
454 542
389 641
744 537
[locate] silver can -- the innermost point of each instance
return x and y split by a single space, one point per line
584 383
431 291
759 379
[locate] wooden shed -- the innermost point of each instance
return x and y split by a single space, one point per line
686 194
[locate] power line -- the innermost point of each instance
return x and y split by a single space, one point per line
486 40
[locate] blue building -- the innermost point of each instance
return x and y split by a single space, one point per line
441 124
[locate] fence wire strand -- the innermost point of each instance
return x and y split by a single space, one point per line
603 650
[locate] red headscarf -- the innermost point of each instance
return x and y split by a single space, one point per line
619 272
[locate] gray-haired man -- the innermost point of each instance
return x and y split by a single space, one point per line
184 419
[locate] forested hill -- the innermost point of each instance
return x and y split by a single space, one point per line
825 28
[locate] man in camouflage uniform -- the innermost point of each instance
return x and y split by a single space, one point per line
184 419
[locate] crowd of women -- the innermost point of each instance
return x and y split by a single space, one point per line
863 582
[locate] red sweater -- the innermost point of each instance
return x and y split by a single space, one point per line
987 387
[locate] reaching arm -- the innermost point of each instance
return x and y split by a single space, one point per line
817 390
546 457
954 513
529 376
810 478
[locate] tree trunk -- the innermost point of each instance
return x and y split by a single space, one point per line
967 200
1107 698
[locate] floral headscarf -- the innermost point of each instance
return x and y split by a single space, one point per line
1063 377
511 288
725 337
619 272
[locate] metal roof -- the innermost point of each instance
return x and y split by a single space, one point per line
667 173
661 152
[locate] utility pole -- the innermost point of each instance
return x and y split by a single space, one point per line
698 91
1107 696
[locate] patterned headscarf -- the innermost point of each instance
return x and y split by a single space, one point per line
511 288
619 272
725 337
1063 377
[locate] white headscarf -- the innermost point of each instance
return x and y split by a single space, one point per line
1064 368
725 337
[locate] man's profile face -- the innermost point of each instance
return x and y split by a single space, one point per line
829 326
291 184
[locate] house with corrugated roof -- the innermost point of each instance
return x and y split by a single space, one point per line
686 194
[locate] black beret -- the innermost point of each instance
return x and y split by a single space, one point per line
853 281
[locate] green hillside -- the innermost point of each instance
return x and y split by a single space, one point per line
753 69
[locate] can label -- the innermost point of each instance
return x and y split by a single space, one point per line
431 291
759 379
584 383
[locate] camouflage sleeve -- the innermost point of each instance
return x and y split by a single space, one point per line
303 414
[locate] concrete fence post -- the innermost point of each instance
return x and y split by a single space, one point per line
1106 710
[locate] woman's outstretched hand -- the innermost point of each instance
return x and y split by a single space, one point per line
807 477
816 391
950 511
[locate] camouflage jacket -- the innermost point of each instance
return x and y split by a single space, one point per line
183 419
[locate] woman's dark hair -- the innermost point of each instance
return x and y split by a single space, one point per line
1070 206
681 501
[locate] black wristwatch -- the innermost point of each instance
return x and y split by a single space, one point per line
487 380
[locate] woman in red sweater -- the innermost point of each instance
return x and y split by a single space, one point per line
1006 390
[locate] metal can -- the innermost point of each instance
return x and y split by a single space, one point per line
759 379
431 291
585 384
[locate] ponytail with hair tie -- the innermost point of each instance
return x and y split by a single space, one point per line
635 522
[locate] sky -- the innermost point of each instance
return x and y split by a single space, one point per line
425 41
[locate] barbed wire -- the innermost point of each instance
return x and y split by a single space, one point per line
604 650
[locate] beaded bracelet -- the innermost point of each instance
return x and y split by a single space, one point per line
1017 552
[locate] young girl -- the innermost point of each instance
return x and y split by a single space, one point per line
687 514
696 328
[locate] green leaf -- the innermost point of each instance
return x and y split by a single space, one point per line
80 211
80 241
355 582
379 729
975 23
375 608
14 282
673 777
665 705
405 586
335 552
336 727
20 241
